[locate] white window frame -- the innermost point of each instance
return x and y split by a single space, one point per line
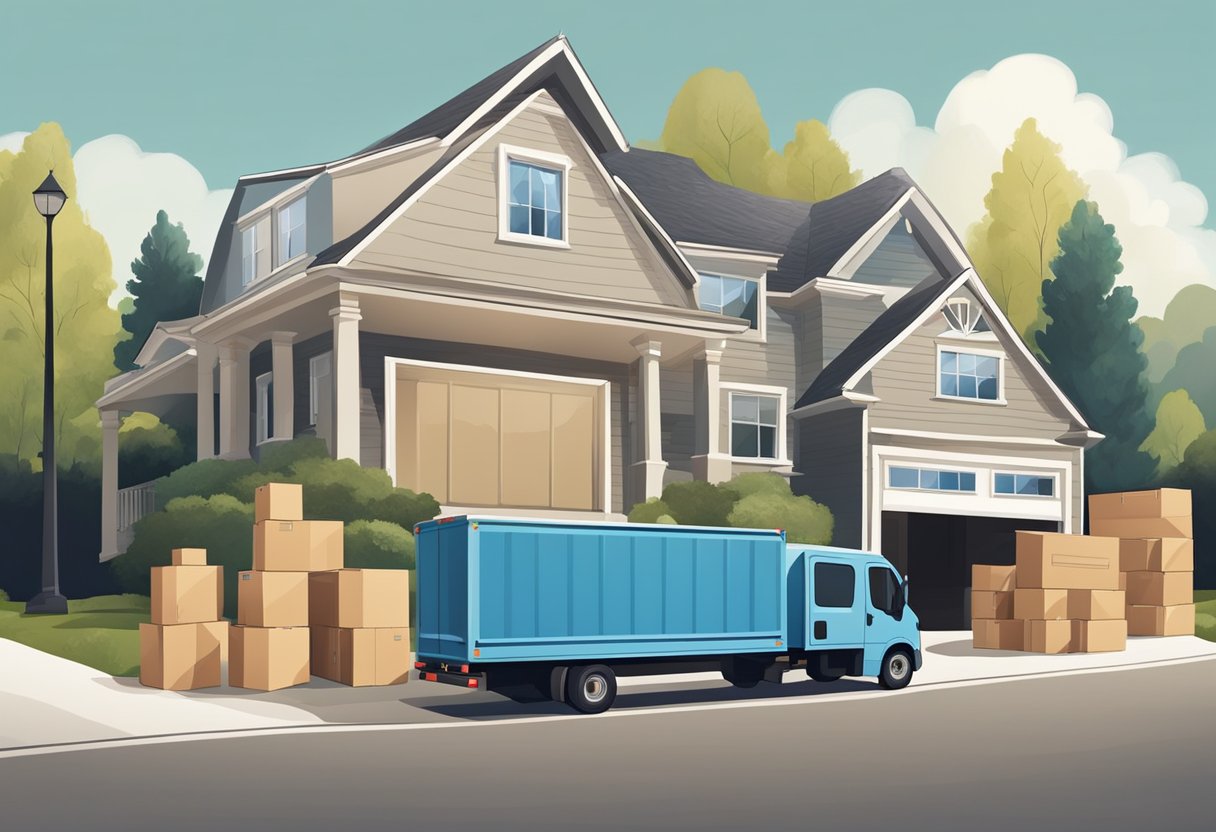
264 391
555 161
1048 475
999 355
314 386
280 257
780 446
252 231
919 468
760 330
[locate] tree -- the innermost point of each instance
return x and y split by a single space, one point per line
1184 321
1179 423
86 327
1092 348
1192 370
166 286
1197 472
814 167
1012 247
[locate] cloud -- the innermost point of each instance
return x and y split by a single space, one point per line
1158 216
12 141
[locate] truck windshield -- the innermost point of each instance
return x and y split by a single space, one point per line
883 588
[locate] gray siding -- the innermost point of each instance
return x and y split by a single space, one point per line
897 261
830 462
678 423
751 362
843 319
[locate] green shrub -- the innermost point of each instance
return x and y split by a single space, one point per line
651 511
148 449
3 596
375 544
204 478
804 520
279 456
698 503
764 482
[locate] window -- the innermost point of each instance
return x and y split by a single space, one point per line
884 586
753 425
292 220
265 406
967 375
252 246
534 201
833 585
931 479
962 319
1025 485
734 296
318 377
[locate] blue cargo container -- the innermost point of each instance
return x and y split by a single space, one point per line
540 609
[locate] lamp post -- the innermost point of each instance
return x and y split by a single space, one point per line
48 199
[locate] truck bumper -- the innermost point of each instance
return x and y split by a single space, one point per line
916 660
446 674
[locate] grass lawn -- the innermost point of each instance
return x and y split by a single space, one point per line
1205 614
101 632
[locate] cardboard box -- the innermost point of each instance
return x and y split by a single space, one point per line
189 557
182 656
1160 589
187 594
1096 604
268 658
1049 637
1107 636
1040 604
986 604
1161 554
359 598
272 599
297 545
278 501
363 656
997 634
1047 560
1123 581
1176 620
1165 512
986 578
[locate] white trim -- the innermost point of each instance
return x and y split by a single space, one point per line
781 442
756 334
999 355
275 202
557 163
303 170
866 530
261 408
769 258
876 232
116 395
846 399
840 287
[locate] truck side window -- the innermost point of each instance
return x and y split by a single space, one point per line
834 585
883 587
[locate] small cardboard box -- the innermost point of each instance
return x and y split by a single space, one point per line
1049 637
1160 554
986 604
1164 512
997 634
268 658
1040 604
986 578
182 656
359 598
1160 589
1048 560
189 557
1096 604
363 656
1106 636
272 599
187 594
297 545
278 501
1176 620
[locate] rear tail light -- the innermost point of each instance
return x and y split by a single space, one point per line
472 683
431 677
419 665
464 668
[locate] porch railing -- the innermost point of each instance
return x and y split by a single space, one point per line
135 502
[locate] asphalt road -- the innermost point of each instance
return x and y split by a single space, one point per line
1103 751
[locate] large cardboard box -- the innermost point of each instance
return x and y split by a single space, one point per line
988 578
272 599
1040 604
1165 512
359 598
1049 637
182 656
1096 604
278 501
986 604
1160 554
268 658
297 545
189 557
1123 581
1107 636
1160 589
1176 620
363 656
997 634
1048 560
187 594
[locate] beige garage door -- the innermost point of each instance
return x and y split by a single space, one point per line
481 439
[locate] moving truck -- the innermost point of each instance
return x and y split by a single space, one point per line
539 609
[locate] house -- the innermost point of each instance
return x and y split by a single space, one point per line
505 305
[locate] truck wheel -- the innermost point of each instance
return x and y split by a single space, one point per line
896 669
742 673
591 689
823 677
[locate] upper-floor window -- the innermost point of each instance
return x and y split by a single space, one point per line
753 425
963 318
734 296
252 246
534 201
292 220
966 375
1024 485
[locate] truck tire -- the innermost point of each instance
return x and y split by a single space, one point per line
742 673
591 689
823 677
896 670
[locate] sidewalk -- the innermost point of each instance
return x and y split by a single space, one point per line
47 700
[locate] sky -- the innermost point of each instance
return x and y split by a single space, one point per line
169 103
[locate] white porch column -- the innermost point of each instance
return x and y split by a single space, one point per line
111 421
283 374
346 377
234 399
648 471
709 462
205 414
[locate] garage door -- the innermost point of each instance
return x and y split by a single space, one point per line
482 439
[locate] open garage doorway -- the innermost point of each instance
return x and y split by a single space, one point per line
936 552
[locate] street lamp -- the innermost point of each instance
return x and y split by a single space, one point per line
48 199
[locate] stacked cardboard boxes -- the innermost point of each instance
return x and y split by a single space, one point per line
186 644
360 626
992 608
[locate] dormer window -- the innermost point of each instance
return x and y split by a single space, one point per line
533 190
737 297
292 220
255 250
963 319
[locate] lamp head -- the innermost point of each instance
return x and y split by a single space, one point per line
49 197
